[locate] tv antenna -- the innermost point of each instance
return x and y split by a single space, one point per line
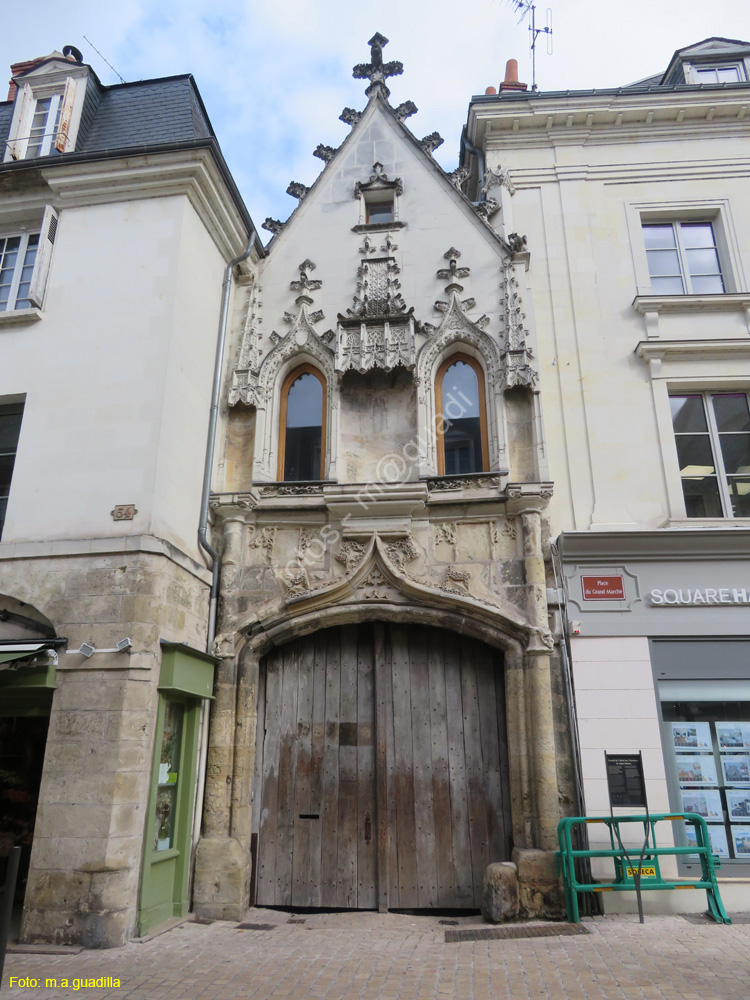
524 6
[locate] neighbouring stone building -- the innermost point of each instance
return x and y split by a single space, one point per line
636 207
118 217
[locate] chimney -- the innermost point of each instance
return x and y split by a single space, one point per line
489 91
511 77
16 69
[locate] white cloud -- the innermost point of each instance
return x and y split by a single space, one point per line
275 74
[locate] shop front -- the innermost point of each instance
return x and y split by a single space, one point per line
659 636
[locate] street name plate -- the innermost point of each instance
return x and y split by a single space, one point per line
603 588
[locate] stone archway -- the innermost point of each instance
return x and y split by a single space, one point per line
381 769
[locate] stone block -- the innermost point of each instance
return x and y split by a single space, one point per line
222 870
78 725
540 892
500 894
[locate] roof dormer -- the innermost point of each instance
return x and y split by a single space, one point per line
48 101
712 61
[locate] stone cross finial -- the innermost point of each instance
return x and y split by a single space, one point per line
376 71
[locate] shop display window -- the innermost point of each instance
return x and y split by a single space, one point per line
707 746
169 773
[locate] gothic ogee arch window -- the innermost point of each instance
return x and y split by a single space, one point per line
302 431
461 415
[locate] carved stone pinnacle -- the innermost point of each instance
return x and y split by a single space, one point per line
376 71
325 153
297 190
273 226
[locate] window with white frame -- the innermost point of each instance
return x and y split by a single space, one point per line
683 258
717 73
17 259
24 265
712 433
45 117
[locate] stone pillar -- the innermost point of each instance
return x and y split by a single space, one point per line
539 686
221 861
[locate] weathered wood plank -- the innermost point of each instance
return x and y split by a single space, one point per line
441 790
394 899
474 770
256 795
302 768
424 816
381 764
330 806
270 787
502 738
316 766
463 878
405 820
288 726
347 825
493 790
366 810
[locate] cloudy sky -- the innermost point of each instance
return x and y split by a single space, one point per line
275 74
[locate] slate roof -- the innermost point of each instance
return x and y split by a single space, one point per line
157 115
125 116
143 114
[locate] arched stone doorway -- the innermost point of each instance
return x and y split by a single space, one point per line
381 769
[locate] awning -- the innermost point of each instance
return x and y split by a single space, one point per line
14 653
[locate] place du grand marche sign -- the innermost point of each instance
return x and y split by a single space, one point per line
612 588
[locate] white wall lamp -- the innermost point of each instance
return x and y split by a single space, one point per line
87 649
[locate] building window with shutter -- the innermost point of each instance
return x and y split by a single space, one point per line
24 266
45 119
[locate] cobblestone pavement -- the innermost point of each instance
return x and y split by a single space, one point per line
364 956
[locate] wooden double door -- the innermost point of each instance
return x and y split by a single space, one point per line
382 765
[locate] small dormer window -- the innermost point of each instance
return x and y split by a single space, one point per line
379 211
47 107
44 130
378 200
732 71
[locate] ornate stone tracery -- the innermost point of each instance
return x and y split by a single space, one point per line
518 358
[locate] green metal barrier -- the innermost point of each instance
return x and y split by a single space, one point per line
648 861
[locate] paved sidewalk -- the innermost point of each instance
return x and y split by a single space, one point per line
366 956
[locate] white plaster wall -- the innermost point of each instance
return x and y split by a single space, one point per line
435 218
117 376
587 259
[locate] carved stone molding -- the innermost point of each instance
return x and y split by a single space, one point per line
497 178
458 176
265 540
402 551
518 358
458 328
295 581
456 581
274 226
448 483
292 490
431 142
376 71
405 110
325 153
297 190
224 646
350 117
350 554
445 532
517 243
378 181
486 209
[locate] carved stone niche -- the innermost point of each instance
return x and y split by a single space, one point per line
378 331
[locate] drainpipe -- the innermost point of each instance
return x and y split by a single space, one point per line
211 442
479 153
203 524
